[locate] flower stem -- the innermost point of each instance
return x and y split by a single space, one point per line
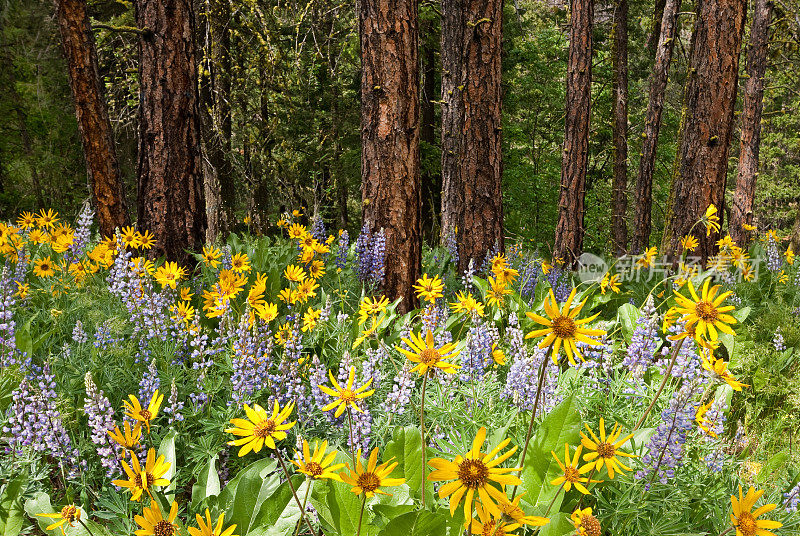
352 442
294 492
589 481
726 531
667 374
84 526
422 433
533 418
303 508
361 514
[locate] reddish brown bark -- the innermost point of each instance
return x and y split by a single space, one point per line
472 170
94 125
655 106
571 205
750 137
619 201
707 124
171 201
390 167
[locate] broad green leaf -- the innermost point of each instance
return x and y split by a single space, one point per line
406 449
227 496
560 426
627 315
418 523
255 487
338 508
207 484
22 337
11 513
40 504
559 525
279 513
167 449
772 465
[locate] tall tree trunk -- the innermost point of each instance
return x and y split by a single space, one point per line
619 202
750 138
571 206
431 179
642 219
472 201
171 201
655 36
94 125
709 100
390 167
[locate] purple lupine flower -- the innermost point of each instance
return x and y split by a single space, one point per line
792 499
522 380
530 270
174 407
400 396
83 230
101 421
778 342
8 343
250 363
640 354
665 447
79 335
344 247
451 243
467 276
378 268
318 229
687 363
149 383
774 261
319 376
477 354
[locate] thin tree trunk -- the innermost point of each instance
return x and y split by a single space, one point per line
709 100
750 138
94 125
390 166
571 206
431 179
655 36
171 201
619 203
472 203
642 220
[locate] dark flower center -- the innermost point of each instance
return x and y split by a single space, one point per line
429 356
564 327
368 481
706 311
606 450
164 528
313 468
264 429
473 473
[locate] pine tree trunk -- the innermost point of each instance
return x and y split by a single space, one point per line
750 138
472 203
94 125
709 100
655 36
171 201
431 179
571 206
655 106
390 166
619 203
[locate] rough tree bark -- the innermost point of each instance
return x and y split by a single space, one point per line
170 180
94 125
750 137
472 200
390 166
642 219
619 202
707 124
655 36
571 206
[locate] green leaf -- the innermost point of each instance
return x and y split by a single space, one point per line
11 513
23 338
406 449
627 315
338 508
40 504
560 426
418 523
207 484
255 486
167 449
560 525
772 465
279 513
228 494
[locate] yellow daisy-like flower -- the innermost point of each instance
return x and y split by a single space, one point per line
347 395
47 219
505 275
492 525
689 243
44 267
268 312
562 327
127 439
512 510
129 237
748 227
571 473
206 528
371 307
240 263
497 292
604 450
211 256
368 480
183 311
297 231
498 356
67 516
260 428
745 520
429 288
711 220
427 356
141 479
186 294
146 240
153 523
648 258
294 273
134 410
317 465
719 368
610 282
169 273
310 319
466 303
316 269
585 523
703 422
476 474
22 290
705 312
26 220
498 261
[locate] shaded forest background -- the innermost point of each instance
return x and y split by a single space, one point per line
279 91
